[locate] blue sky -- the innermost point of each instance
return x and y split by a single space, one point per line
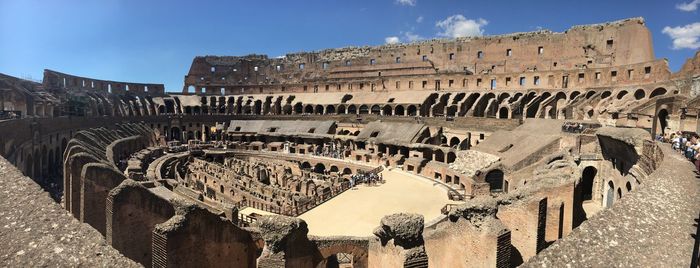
155 41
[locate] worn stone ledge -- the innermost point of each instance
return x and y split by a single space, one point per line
649 227
35 231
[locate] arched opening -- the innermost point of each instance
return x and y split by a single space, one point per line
454 142
298 108
330 109
334 169
657 92
610 195
663 121
364 109
309 109
398 110
621 94
352 109
495 180
605 94
320 168
587 178
439 156
319 109
341 109
451 157
347 171
375 109
305 165
412 110
639 94
386 110
628 186
503 112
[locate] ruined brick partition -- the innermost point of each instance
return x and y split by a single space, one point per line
132 214
195 237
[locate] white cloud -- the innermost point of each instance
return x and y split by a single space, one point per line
411 37
691 6
687 36
459 26
406 2
420 18
392 40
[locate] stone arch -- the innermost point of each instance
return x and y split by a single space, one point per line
386 110
574 95
451 157
399 110
305 165
439 156
341 109
628 186
334 169
364 109
347 171
454 141
639 94
375 109
621 94
298 108
352 109
464 145
318 109
503 112
412 110
657 92
482 104
605 94
590 94
320 168
330 109
309 109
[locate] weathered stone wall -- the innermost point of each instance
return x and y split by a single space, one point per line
39 232
132 214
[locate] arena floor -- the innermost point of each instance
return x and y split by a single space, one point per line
358 211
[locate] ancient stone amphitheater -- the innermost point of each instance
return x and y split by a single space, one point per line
532 149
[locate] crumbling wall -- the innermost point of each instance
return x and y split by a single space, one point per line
195 237
132 214
472 237
400 242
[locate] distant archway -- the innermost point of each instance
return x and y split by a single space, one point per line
495 180
587 179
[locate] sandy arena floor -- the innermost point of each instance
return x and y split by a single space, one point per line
357 212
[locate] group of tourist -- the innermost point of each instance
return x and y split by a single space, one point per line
332 151
368 178
572 127
686 143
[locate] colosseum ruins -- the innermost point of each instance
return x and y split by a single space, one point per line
540 149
